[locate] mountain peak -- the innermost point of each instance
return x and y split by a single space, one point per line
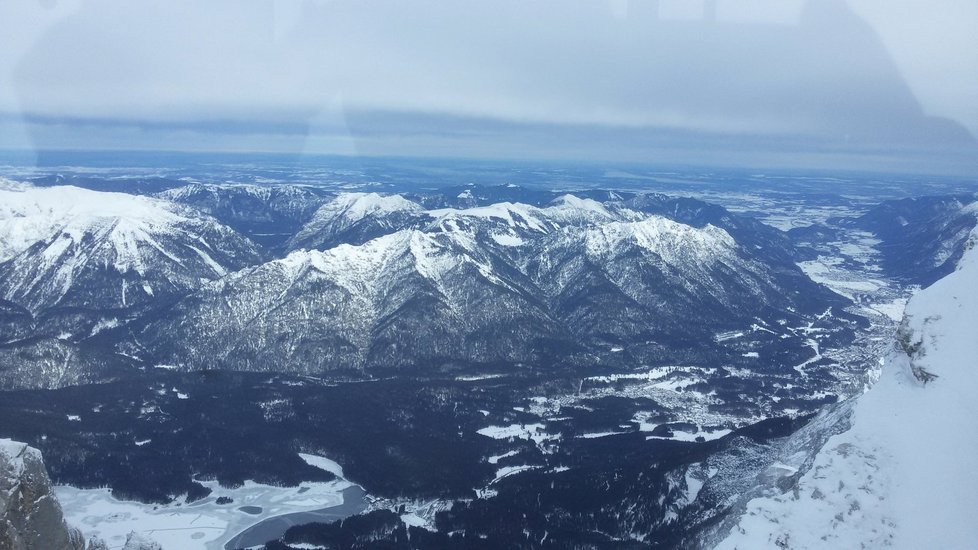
58 241
356 206
674 242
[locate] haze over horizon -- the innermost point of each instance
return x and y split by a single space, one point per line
827 84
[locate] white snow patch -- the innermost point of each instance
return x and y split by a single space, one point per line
477 377
496 458
596 435
693 486
507 239
529 432
412 520
507 471
323 463
679 435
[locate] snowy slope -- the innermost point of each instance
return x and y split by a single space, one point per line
650 262
30 214
904 475
67 246
516 216
355 218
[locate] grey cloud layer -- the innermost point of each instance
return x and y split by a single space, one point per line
466 75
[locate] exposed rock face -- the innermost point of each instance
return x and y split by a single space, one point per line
30 516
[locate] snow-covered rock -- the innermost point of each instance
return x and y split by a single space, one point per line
138 541
30 516
515 216
903 476
528 220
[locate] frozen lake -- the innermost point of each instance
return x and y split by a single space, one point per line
274 527
255 511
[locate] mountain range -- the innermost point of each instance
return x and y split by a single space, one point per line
365 284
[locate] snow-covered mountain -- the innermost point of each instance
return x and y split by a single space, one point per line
94 283
903 475
751 233
506 283
922 238
355 218
652 280
395 300
67 247
471 195
512 224
267 214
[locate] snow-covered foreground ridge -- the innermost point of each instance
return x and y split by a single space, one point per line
906 474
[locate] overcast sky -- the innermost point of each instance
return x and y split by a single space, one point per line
887 84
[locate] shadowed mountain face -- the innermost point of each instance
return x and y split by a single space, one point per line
922 238
266 215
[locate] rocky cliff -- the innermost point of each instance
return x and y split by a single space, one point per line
30 516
